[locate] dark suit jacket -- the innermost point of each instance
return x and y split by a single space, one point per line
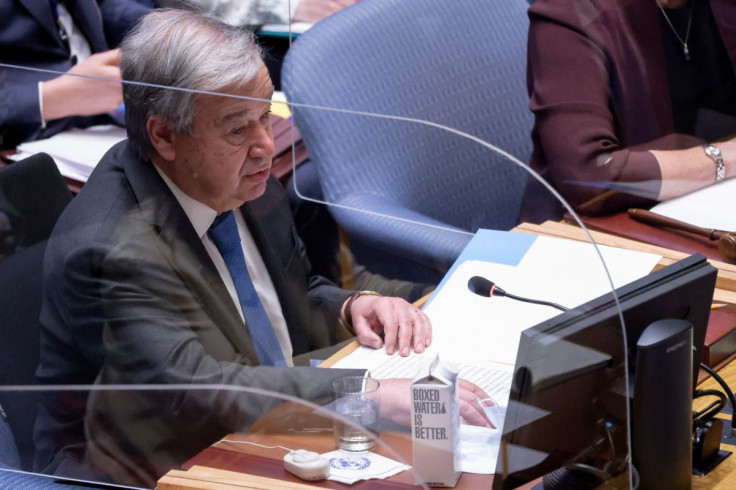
30 38
132 297
598 85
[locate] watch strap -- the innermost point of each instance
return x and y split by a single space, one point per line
715 154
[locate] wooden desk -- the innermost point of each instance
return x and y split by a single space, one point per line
720 341
213 468
231 466
248 461
621 224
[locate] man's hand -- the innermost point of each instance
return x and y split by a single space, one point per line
396 402
70 95
315 10
401 323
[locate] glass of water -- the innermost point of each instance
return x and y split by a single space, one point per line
357 399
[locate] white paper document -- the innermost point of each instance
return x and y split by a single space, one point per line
76 151
480 335
469 329
711 207
293 28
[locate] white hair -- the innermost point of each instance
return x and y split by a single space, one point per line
184 50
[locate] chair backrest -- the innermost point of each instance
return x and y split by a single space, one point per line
459 63
11 476
20 305
8 450
33 194
20 342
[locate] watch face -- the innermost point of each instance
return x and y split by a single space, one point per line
713 151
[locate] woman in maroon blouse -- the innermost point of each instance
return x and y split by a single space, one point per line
628 95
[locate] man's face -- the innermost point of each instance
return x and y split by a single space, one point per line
227 161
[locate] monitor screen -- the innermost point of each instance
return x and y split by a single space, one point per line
569 394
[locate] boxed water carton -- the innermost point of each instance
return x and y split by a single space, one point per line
435 424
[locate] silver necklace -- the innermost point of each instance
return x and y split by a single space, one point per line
685 49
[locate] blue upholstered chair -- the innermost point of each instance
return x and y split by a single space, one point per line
20 303
11 474
32 195
458 63
36 194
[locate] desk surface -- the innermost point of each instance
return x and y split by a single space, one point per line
621 224
213 468
229 465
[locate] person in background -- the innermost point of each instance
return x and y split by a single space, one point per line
259 12
56 36
634 101
179 264
76 37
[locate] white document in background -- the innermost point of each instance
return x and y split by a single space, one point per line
710 207
285 29
76 151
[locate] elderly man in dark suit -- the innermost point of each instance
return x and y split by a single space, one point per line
59 36
179 265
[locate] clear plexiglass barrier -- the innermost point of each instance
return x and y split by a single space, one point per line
170 327
119 440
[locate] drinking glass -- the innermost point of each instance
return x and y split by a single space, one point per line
357 398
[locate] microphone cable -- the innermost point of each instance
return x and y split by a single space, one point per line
486 288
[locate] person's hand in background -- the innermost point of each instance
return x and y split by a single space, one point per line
313 11
84 95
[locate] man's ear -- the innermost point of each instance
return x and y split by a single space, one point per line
162 137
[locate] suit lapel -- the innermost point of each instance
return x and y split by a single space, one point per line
88 18
41 11
188 257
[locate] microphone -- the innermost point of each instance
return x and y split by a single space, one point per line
486 288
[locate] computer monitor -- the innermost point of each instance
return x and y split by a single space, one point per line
568 401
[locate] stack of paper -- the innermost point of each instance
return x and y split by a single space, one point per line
481 335
77 151
283 30
711 207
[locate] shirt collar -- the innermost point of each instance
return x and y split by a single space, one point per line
198 213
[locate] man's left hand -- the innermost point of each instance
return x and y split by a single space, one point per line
403 325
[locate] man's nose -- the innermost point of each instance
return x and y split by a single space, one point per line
263 147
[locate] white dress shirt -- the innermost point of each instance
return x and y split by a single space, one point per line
202 217
78 46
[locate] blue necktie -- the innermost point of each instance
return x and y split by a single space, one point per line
224 232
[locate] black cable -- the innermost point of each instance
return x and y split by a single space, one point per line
729 394
486 288
705 415
501 292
